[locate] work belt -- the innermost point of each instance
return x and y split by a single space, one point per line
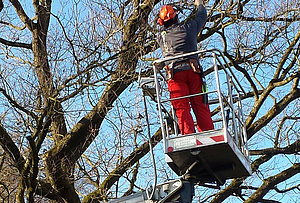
183 65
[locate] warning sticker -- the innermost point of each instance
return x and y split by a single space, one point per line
185 142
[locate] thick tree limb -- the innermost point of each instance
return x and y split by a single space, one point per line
100 194
22 14
1 5
11 149
272 181
287 55
46 190
15 44
272 19
66 153
291 149
235 185
274 111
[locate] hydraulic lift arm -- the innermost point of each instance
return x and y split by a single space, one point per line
172 191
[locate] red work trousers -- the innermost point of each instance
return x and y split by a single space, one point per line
184 83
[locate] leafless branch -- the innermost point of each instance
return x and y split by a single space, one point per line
15 44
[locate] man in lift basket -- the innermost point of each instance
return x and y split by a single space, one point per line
185 76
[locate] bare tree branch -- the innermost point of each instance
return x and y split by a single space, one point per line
136 155
89 59
21 13
272 181
11 149
274 111
14 103
15 44
1 5
291 149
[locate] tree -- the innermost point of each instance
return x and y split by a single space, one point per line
68 131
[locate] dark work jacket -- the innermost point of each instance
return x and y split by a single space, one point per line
182 37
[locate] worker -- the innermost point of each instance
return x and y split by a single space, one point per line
185 75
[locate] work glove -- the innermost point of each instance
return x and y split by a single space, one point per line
198 2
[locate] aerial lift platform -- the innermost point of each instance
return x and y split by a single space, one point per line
204 157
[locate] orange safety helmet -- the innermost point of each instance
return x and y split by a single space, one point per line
166 13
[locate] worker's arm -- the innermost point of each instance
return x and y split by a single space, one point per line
198 2
201 15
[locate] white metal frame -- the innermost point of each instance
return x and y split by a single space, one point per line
238 128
